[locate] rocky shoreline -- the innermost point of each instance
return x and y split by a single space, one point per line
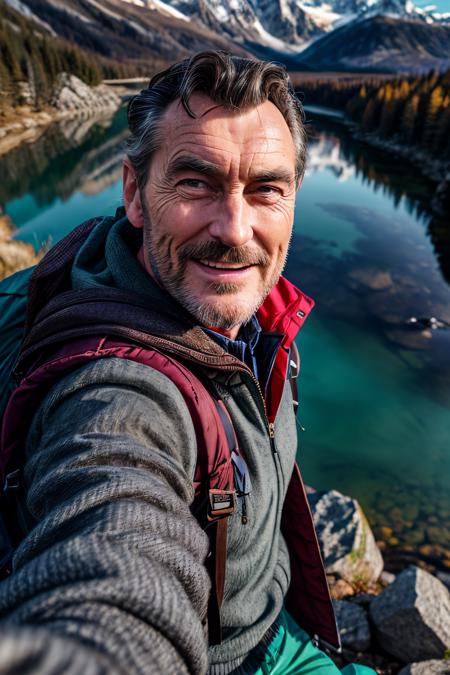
429 166
71 98
394 623
436 169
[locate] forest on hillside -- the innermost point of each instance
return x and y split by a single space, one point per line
413 110
30 61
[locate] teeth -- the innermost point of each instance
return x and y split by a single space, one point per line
223 265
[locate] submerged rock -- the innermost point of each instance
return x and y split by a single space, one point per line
412 616
372 278
353 625
348 545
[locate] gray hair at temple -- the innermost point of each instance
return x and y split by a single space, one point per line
232 81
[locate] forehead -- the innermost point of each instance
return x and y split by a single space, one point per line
259 134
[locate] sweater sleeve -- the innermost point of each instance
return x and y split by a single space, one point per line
115 561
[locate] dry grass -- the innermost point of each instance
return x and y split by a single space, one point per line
14 255
6 228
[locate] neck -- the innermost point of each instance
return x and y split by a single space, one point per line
227 332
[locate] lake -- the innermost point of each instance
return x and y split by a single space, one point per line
375 389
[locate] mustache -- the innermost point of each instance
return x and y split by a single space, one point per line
216 251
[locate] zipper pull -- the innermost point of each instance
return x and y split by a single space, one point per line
272 438
244 518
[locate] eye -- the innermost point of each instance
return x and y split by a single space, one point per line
268 193
193 184
268 189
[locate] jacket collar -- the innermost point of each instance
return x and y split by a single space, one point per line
284 311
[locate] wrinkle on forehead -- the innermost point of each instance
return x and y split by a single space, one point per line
242 139
177 119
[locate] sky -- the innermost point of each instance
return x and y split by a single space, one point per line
441 5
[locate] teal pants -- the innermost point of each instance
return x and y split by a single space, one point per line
291 652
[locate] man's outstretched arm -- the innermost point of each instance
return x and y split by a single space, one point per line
115 561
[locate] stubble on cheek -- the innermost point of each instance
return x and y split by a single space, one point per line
157 253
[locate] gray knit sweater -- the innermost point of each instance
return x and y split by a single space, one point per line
111 578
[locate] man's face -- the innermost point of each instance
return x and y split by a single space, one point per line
217 209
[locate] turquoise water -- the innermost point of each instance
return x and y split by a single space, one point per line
375 392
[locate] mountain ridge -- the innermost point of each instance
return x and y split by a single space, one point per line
381 44
362 35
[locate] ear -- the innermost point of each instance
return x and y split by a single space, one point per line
132 196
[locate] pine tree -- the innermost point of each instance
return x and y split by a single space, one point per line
369 120
434 106
387 111
442 128
409 119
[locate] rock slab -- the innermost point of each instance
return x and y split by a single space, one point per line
347 542
71 94
412 616
432 667
353 625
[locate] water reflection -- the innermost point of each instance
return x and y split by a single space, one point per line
325 153
392 177
336 151
80 154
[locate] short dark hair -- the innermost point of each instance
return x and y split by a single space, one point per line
232 81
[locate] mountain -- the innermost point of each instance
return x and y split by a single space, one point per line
343 10
281 24
358 35
380 44
361 35
127 31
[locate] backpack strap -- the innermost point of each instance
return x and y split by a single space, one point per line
219 550
214 432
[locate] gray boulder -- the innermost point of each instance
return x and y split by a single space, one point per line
412 616
72 95
445 578
348 545
353 625
427 668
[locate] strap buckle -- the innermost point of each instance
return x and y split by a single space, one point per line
12 482
221 503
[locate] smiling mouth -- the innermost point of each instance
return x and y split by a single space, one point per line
226 266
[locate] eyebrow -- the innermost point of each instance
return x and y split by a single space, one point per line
195 164
207 168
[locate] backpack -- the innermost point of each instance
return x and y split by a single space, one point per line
220 475
13 304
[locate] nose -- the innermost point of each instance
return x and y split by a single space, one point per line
231 223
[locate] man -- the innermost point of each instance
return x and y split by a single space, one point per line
113 576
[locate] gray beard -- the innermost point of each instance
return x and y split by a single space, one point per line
221 315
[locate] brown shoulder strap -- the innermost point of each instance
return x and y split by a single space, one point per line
219 537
